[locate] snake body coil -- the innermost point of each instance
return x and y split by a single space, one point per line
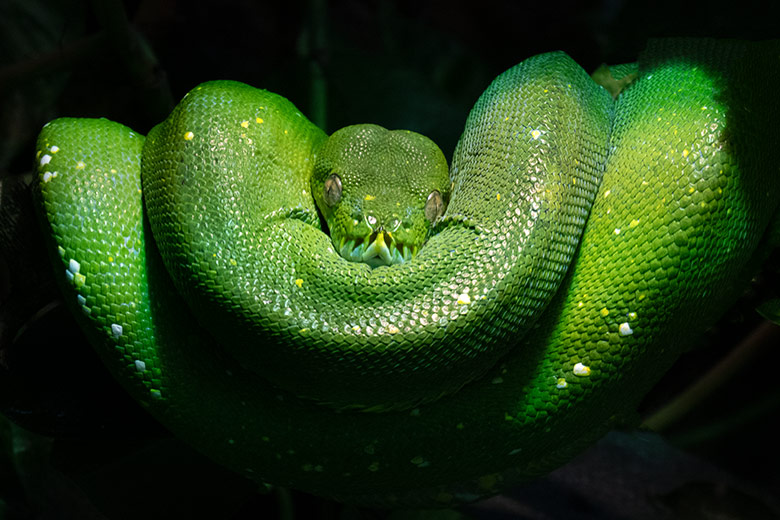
437 379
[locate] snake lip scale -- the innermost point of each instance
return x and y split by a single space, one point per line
577 243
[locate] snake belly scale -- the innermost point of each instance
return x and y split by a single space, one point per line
195 261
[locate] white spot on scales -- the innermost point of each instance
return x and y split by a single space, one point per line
116 330
625 329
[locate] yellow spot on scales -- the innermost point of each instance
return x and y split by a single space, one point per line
259 120
299 282
536 134
604 312
245 124
686 152
369 197
581 370
498 196
80 165
188 136
633 223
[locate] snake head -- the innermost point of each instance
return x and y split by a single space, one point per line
379 192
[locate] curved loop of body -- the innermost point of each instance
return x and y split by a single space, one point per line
677 224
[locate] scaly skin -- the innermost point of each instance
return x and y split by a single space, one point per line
453 404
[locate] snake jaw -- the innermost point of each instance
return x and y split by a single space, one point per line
379 248
378 253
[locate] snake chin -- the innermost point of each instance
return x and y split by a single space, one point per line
376 250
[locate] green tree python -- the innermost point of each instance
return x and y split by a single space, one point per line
348 316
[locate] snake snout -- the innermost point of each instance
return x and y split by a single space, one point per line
378 248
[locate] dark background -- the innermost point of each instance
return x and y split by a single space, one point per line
408 64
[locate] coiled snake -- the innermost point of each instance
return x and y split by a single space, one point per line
424 336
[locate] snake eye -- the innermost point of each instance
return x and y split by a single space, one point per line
332 190
434 206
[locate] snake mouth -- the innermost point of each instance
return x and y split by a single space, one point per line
377 249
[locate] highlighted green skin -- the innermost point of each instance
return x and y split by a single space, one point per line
677 225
